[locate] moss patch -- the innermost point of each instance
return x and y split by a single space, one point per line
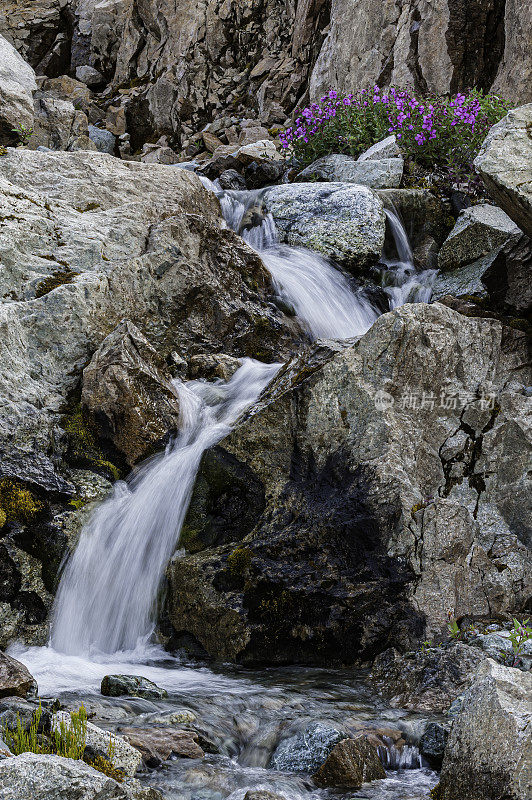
17 502
83 448
55 280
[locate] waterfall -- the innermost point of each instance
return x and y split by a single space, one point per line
401 281
108 591
107 597
322 297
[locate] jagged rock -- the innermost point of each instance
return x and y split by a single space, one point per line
400 500
44 777
262 794
387 148
436 47
15 679
489 751
308 750
351 763
426 680
39 31
504 163
259 174
342 221
376 173
124 757
158 744
89 76
432 743
231 179
17 84
132 686
104 140
479 230
129 394
263 150
59 125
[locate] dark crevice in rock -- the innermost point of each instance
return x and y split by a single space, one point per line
475 42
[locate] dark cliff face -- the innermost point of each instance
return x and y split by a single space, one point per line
312 583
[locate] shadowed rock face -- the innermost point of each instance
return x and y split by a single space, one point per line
382 515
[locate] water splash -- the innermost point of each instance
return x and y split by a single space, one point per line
401 281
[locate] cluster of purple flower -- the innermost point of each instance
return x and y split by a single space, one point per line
410 119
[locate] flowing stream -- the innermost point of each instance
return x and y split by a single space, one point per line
105 610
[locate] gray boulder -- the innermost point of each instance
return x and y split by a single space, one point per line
387 148
432 743
15 678
308 750
505 165
489 751
342 221
42 777
132 686
382 173
17 84
478 231
89 76
105 141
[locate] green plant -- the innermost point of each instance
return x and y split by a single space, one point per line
21 740
69 737
519 636
453 628
23 132
437 133
428 644
3 150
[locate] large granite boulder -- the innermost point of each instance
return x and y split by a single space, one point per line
395 480
17 84
504 163
307 750
489 751
54 778
129 394
342 221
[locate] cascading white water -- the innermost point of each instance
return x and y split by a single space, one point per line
401 281
321 296
107 593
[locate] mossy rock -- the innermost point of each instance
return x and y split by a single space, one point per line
83 448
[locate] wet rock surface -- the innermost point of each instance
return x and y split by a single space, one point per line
158 744
490 746
131 685
351 763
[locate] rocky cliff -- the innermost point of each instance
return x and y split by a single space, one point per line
166 68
